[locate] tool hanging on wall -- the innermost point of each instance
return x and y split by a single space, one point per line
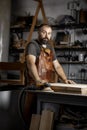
40 6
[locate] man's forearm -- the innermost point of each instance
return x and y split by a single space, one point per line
59 70
33 70
61 73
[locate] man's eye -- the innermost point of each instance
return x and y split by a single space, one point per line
49 33
43 31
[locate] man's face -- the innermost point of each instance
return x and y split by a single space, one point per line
45 33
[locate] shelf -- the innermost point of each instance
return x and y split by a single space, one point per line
22 29
16 28
70 26
65 47
73 62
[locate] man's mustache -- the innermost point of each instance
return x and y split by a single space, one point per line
45 40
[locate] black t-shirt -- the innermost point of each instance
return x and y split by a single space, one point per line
33 48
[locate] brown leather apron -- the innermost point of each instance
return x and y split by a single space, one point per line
44 65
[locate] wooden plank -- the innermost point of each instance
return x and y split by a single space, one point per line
66 89
43 12
11 66
47 119
68 85
35 122
69 88
33 23
84 91
9 81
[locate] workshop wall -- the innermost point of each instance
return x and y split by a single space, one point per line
4 28
53 8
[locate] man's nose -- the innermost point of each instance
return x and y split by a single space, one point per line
46 36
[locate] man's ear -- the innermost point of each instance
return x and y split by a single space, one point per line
38 32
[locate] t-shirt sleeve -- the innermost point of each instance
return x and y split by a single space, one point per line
54 54
31 49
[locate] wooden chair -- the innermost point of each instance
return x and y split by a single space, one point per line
13 66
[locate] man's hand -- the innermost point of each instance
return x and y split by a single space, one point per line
44 85
40 83
70 82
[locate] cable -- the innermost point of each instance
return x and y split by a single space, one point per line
20 99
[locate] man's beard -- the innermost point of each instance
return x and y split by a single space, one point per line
44 41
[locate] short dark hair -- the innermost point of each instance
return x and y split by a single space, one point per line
44 24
